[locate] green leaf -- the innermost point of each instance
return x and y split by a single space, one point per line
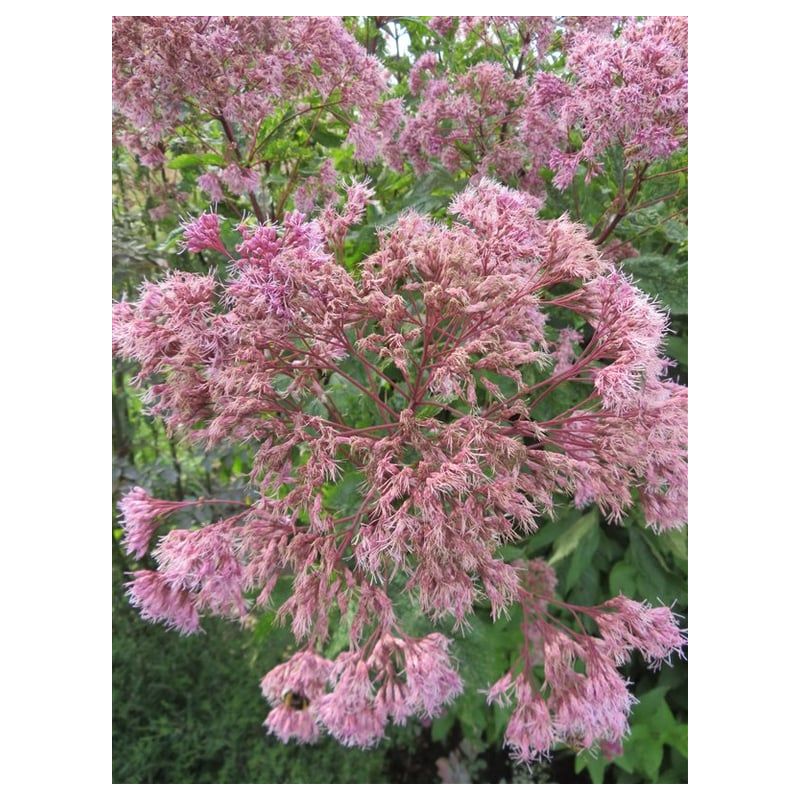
327 138
571 538
186 160
622 579
676 231
663 278
676 543
644 751
582 558
678 737
652 709
651 578
678 349
594 764
548 533
441 727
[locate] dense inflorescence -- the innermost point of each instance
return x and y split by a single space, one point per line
547 92
581 699
221 78
425 379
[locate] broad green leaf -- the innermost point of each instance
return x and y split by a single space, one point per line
644 751
651 578
572 537
441 726
195 160
622 579
596 765
663 278
678 737
551 531
327 138
652 709
581 558
676 543
676 231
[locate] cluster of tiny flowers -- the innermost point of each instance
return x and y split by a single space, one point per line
141 514
556 702
630 90
239 71
203 234
399 678
624 82
470 327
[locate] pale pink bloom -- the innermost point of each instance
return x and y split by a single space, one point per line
578 706
240 67
530 733
365 141
443 25
425 63
293 688
306 674
626 625
337 222
204 561
349 712
498 692
288 723
158 600
240 181
159 212
202 233
431 680
630 89
209 183
141 514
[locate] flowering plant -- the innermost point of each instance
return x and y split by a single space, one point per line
446 335
426 411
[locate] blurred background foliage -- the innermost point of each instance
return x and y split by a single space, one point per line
189 710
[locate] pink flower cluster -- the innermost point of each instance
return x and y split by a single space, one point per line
631 90
399 678
465 121
140 516
555 700
175 71
511 114
446 337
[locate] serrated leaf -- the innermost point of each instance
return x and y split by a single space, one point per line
652 709
645 751
651 578
663 278
571 538
549 532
